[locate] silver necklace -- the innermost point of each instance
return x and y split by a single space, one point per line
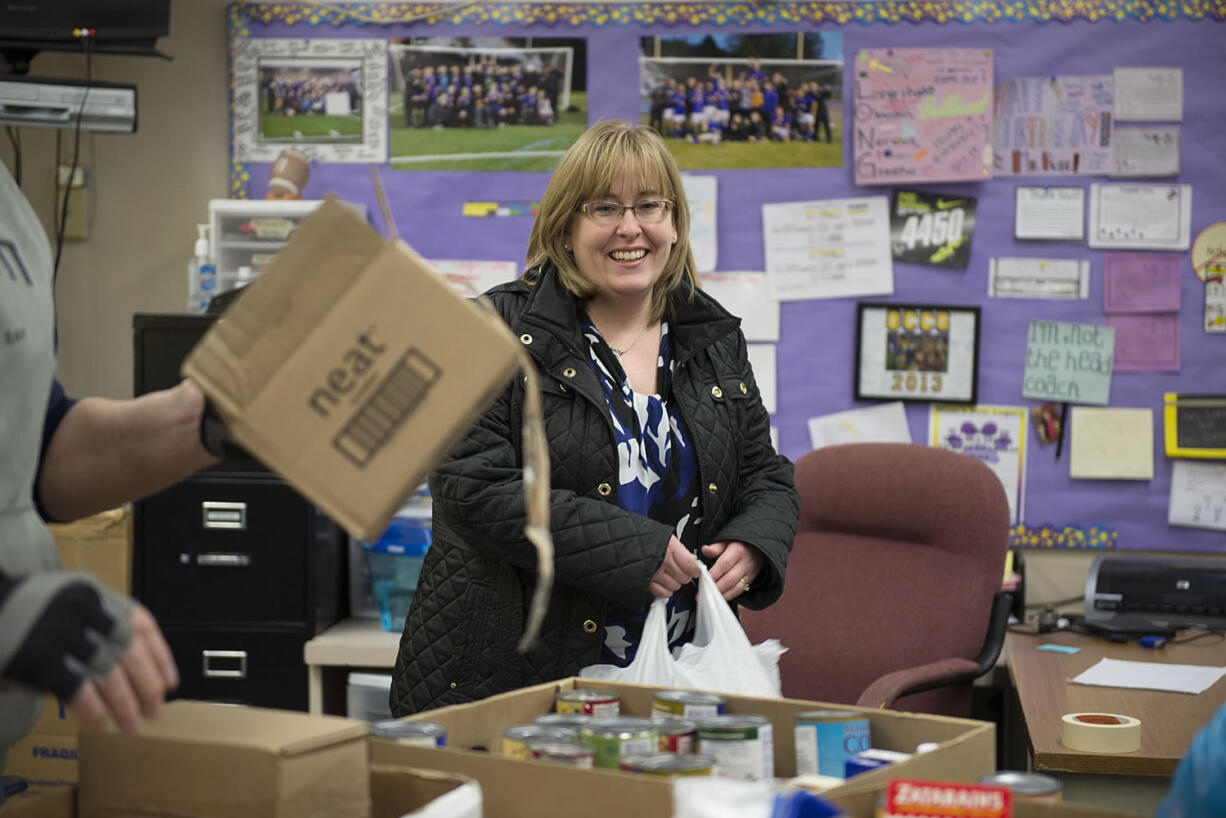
621 352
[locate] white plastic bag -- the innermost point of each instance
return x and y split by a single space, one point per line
720 658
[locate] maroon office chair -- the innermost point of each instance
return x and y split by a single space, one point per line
894 584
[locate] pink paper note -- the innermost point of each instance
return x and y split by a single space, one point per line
1141 282
1148 341
922 115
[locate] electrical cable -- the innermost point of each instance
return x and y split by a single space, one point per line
15 138
62 223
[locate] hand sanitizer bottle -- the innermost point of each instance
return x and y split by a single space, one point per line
201 274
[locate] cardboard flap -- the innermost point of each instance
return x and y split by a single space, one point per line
279 732
253 339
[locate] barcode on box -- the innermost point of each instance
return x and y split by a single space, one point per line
386 410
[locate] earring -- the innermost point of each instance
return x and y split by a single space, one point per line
566 247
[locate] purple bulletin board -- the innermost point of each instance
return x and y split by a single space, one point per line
817 344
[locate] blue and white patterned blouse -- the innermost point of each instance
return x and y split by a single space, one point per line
657 477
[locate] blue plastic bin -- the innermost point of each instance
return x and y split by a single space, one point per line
395 565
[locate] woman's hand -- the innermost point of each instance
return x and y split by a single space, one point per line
736 566
678 568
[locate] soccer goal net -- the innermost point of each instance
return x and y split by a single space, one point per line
542 67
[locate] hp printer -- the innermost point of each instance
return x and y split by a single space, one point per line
1161 592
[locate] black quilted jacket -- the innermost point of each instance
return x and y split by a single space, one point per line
460 635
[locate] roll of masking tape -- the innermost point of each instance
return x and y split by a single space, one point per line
1100 732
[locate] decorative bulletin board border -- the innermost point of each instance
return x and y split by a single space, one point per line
1069 536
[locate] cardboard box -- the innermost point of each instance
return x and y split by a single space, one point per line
205 760
56 720
59 802
528 789
44 760
350 368
100 545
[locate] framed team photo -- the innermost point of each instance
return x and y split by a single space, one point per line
917 352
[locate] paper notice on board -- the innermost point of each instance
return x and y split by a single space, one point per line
1038 278
1198 495
701 195
1141 282
471 278
828 249
884 423
745 296
1146 151
922 115
762 359
1068 362
993 435
1057 126
1049 213
1111 444
1146 342
1146 217
1147 94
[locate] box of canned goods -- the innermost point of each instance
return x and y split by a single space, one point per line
619 736
742 746
515 739
825 739
421 733
597 703
686 704
669 764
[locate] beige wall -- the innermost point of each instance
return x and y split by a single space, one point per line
148 191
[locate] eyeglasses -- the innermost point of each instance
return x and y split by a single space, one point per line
652 211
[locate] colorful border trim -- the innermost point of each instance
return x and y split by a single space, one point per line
1093 536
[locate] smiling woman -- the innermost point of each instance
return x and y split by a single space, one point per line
660 445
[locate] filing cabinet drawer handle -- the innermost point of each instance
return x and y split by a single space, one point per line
224 560
219 514
226 664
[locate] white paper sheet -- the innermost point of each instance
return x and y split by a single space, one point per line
1146 151
1154 217
993 435
745 295
1148 94
700 192
1198 495
1038 278
1049 213
471 278
828 249
1151 676
884 423
762 359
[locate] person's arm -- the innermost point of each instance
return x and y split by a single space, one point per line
106 452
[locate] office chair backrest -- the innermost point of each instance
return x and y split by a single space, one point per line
899 552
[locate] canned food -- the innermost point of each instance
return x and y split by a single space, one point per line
742 746
669 764
677 735
571 720
597 703
573 754
685 704
1044 789
613 738
825 739
419 733
515 739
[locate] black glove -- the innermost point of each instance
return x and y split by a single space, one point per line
58 630
214 435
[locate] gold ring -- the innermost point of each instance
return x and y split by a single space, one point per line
745 584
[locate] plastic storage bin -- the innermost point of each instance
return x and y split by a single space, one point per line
395 561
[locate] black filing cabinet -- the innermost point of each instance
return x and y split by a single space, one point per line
239 569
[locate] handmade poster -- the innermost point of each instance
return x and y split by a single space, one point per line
926 228
1194 425
762 359
828 249
1145 217
1053 126
1049 213
471 278
1146 342
884 423
1039 278
745 296
1146 151
1215 306
1068 362
1148 94
700 191
1198 495
1111 444
922 115
1209 252
993 435
1140 282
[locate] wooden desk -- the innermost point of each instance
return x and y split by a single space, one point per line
1168 720
350 643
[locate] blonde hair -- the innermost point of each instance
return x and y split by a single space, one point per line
606 152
